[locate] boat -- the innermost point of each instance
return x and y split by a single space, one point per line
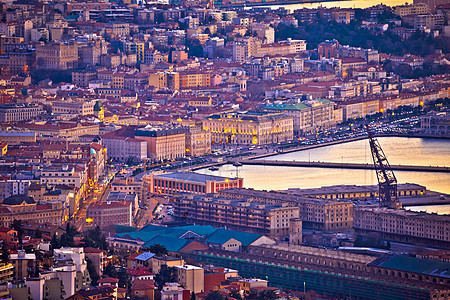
237 164
214 168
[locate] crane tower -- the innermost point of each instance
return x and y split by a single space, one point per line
387 182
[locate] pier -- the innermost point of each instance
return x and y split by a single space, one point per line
320 164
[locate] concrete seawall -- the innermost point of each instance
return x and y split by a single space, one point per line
317 164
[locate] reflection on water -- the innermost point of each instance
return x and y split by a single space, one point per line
398 150
342 4
407 151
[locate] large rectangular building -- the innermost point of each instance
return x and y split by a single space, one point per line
239 215
249 128
79 108
308 116
188 182
105 214
314 213
19 112
120 148
412 9
404 225
57 56
163 142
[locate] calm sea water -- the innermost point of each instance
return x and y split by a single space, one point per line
342 4
406 151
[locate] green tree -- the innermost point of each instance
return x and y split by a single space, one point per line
267 295
124 280
38 234
96 239
92 271
158 249
18 226
5 252
66 240
236 295
55 242
215 295
71 230
110 270
166 274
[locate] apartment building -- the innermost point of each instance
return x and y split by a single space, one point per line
117 29
314 213
239 215
126 185
19 112
412 9
106 214
327 49
22 207
163 142
17 137
348 64
343 15
57 56
371 72
121 148
189 79
63 175
82 78
281 48
249 128
61 129
436 21
78 108
160 80
198 141
191 277
308 116
6 272
126 197
403 224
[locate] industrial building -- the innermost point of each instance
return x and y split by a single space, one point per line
188 182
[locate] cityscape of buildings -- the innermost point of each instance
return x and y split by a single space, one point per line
120 121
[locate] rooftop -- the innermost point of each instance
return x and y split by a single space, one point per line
413 264
190 176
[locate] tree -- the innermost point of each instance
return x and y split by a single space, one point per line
166 274
215 295
5 252
66 240
124 281
96 239
18 226
55 242
158 249
38 234
92 271
110 270
71 230
267 295
236 295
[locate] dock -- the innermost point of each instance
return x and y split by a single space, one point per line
320 164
